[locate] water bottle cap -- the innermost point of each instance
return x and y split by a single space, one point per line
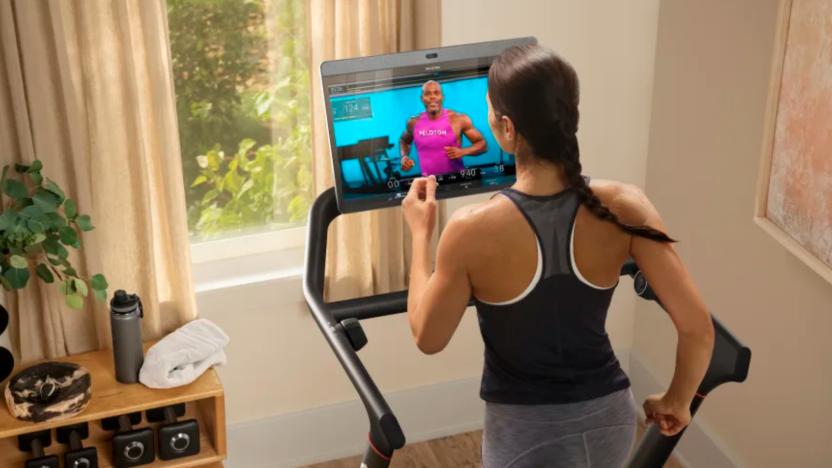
122 299
123 303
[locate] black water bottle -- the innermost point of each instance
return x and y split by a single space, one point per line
125 321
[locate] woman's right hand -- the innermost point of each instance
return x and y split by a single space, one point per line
669 415
419 207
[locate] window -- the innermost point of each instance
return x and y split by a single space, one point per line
241 78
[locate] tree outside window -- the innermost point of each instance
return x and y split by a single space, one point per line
242 84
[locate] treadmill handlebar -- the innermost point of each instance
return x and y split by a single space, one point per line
385 429
323 212
385 432
369 307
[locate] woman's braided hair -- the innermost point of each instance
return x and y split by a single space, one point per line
539 92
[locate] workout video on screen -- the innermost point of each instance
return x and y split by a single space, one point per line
386 135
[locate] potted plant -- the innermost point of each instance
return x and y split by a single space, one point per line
38 224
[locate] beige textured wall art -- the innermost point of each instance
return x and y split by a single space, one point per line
795 199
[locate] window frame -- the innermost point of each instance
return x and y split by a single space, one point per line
248 259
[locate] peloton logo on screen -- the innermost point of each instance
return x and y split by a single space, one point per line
433 132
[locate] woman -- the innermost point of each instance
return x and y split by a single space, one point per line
541 260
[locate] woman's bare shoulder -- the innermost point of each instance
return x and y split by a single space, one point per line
484 216
627 201
484 210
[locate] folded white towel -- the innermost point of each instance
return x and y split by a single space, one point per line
182 356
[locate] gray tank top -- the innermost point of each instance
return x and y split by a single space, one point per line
549 345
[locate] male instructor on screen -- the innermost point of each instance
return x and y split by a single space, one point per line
437 133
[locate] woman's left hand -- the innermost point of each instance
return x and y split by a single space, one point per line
419 207
670 416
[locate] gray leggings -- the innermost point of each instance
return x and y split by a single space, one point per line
597 433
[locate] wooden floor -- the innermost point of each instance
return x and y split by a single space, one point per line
460 450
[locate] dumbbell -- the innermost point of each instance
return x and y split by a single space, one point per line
177 439
35 442
131 447
78 456
6 356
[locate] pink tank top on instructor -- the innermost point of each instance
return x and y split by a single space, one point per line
431 137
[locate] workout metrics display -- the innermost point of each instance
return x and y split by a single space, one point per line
388 126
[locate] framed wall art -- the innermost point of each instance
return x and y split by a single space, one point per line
794 197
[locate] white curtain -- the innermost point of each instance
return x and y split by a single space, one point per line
86 87
367 251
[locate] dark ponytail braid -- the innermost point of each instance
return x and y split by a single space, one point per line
539 92
572 170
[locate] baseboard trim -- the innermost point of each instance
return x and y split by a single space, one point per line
427 412
340 430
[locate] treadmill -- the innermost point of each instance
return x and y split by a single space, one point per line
340 323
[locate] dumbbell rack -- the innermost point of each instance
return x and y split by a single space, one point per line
204 400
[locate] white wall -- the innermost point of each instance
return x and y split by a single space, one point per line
278 360
712 74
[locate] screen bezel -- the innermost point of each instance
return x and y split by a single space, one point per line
438 61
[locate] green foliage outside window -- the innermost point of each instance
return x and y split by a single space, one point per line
241 78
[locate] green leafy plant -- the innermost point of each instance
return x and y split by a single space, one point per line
267 186
218 55
239 187
242 82
37 225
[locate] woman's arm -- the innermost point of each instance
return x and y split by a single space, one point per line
673 285
435 301
404 145
478 143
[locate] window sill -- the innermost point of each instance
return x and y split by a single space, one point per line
250 259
